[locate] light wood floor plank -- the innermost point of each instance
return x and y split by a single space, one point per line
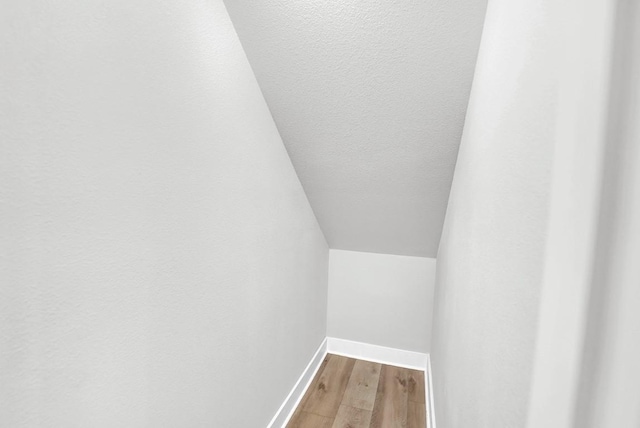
363 385
341 393
416 415
390 408
325 398
313 385
309 420
416 386
351 417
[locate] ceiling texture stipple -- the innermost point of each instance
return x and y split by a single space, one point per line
369 98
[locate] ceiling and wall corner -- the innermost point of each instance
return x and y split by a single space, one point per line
370 100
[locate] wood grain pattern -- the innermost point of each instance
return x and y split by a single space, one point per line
416 386
309 420
348 393
416 414
297 420
326 397
363 385
314 383
352 417
390 408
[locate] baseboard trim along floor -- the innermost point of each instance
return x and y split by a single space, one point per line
361 351
290 403
428 387
377 354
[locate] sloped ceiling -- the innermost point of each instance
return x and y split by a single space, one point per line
370 99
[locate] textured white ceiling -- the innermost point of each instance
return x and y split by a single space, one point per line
370 98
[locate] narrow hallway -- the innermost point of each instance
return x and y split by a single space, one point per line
334 214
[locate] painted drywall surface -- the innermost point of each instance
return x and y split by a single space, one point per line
159 258
610 386
490 260
370 99
574 252
381 299
586 372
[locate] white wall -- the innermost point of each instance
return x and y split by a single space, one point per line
491 254
159 258
586 372
610 398
381 299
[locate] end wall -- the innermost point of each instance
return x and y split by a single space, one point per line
381 299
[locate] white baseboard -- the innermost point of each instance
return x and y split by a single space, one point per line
377 354
289 405
431 411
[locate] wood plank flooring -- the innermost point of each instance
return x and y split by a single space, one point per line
348 393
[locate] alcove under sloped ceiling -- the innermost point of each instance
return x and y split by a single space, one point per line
369 98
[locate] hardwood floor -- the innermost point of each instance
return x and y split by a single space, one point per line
348 393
